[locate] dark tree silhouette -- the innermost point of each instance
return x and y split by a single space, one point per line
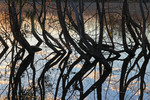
72 44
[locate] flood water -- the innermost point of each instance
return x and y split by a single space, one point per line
110 87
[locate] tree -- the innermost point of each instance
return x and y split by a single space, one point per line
74 45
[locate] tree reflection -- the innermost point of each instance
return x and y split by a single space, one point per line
67 53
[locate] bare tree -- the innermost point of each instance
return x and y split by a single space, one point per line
75 45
